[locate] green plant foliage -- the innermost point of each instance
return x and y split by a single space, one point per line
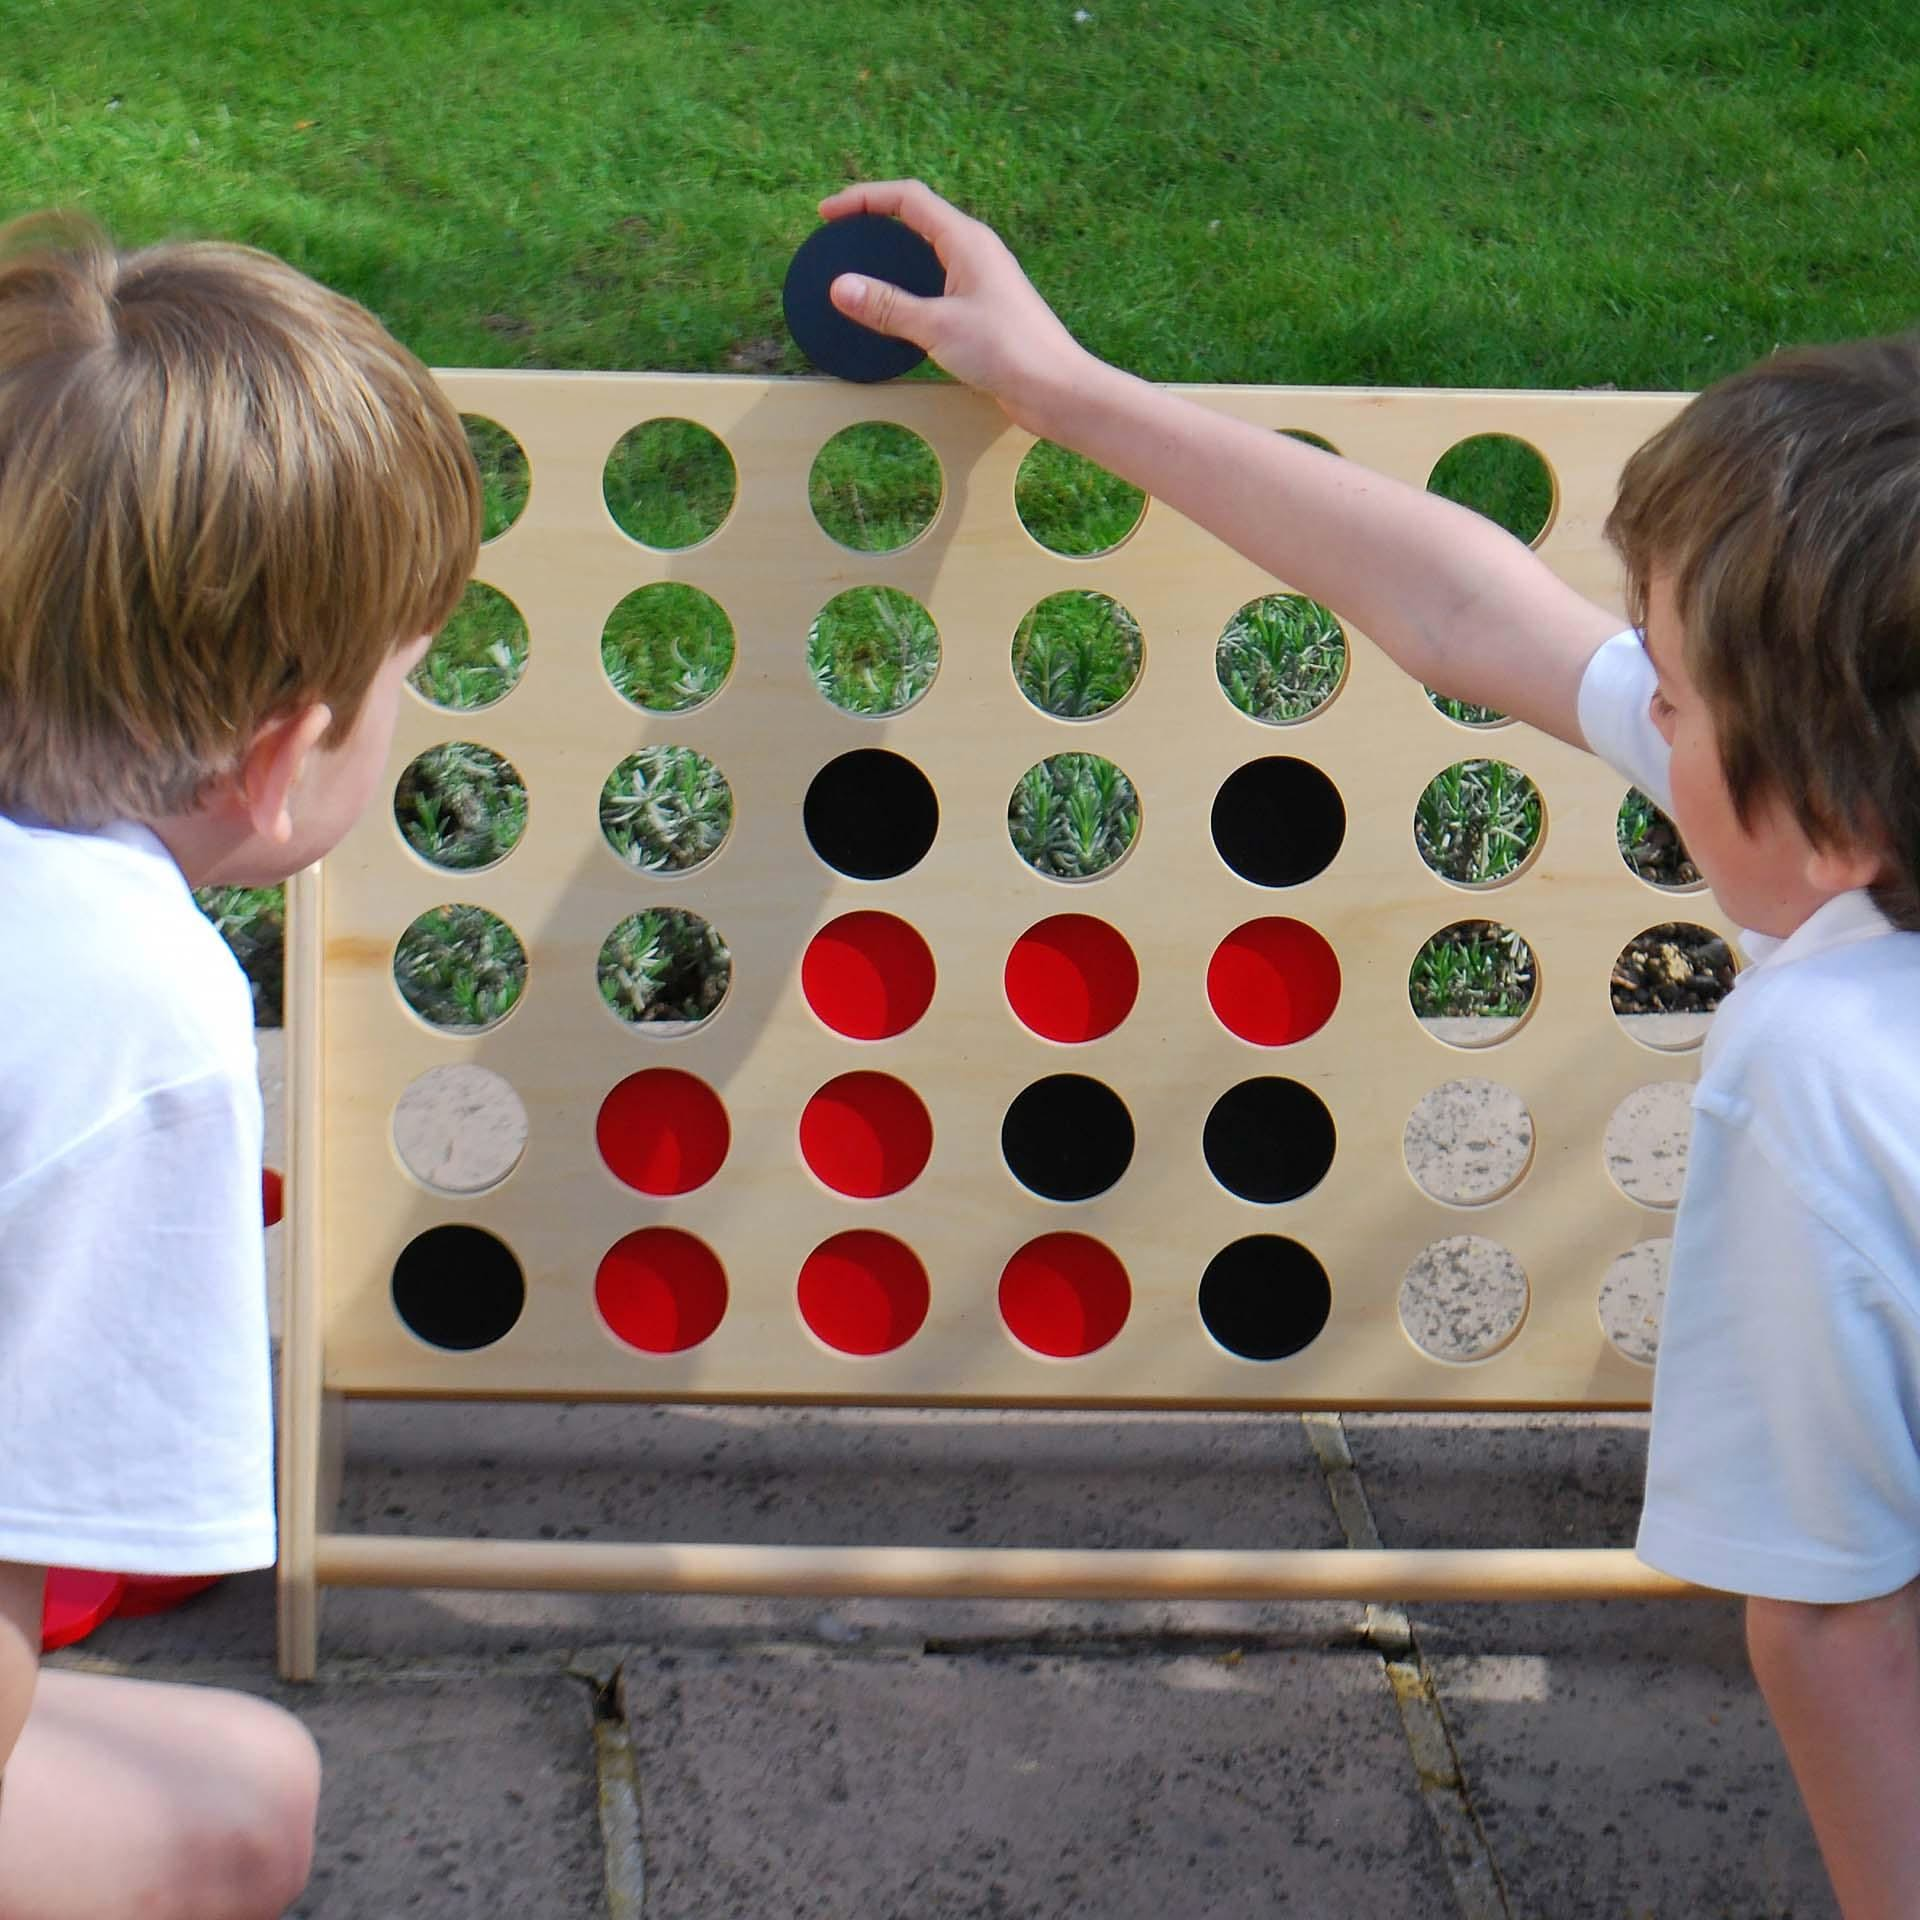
1474 969
666 809
1072 506
1077 654
1501 477
1477 821
253 922
461 806
670 483
875 487
504 479
667 647
1281 658
1073 815
478 656
460 966
664 965
873 650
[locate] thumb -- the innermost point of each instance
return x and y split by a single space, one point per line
884 308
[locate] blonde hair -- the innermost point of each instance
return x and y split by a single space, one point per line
225 493
1784 503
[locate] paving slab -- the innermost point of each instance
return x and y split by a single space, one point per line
816 1786
819 1476
1617 1753
454 1796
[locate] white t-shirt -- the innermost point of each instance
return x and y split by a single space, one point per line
135 1404
1785 1452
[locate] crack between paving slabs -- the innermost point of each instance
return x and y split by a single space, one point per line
617 1780
1477 1885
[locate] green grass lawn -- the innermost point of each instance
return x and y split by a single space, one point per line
1647 194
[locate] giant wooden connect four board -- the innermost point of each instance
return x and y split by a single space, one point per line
1185 1292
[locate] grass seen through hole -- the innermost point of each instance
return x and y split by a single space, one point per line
667 647
504 479
1071 505
478 656
669 483
873 650
875 487
1474 969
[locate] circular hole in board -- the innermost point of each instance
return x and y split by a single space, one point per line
661 1290
866 1135
666 810
664 971
1463 1298
1473 984
863 1293
1278 822
1478 823
1501 477
1071 505
460 968
505 480
868 976
667 648
1273 982
1468 1142
1667 982
669 484
1067 1137
458 1287
875 487
1633 1299
873 651
460 1129
1646 1142
460 807
1281 658
1269 1140
1072 978
871 814
663 1131
1065 1295
1073 816
1077 654
1265 1297
1652 848
477 657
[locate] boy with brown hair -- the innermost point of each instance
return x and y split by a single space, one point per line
232 510
1769 697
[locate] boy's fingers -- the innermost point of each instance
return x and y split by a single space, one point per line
911 201
884 308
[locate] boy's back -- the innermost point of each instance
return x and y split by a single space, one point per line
133 1395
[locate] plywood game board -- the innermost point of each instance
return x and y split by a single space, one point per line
1184 1291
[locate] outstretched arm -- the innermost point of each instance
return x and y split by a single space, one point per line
1843 1686
1454 599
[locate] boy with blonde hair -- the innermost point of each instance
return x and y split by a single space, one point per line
1769 696
232 509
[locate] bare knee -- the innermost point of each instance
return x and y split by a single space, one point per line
247 1853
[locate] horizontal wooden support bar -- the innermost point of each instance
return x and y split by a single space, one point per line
994 1573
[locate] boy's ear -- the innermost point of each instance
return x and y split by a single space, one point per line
1842 869
267 776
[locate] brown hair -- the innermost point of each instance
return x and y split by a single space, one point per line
225 493
1784 505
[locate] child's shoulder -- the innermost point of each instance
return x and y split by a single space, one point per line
118 984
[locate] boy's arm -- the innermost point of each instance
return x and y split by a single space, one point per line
22 1594
1455 600
1843 1686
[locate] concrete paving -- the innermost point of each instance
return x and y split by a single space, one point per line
680 1759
